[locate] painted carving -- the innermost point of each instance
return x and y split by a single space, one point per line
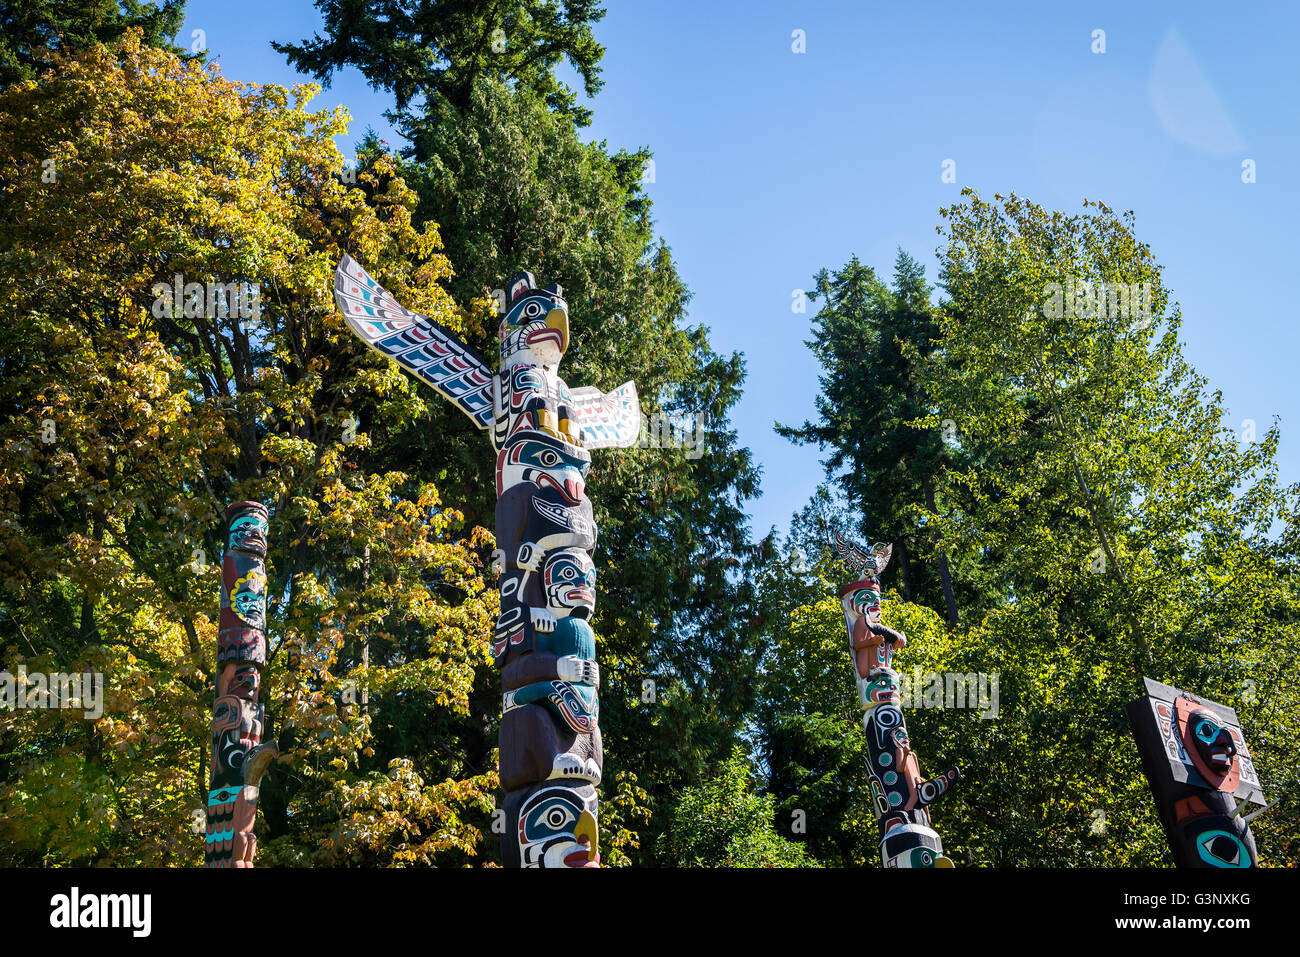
542 433
239 758
900 795
1201 773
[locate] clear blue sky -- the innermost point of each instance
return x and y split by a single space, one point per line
772 164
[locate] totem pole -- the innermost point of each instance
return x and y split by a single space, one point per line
542 432
899 794
239 759
1198 766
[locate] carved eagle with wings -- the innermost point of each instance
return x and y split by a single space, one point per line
458 371
867 562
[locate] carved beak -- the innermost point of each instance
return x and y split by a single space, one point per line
558 319
588 834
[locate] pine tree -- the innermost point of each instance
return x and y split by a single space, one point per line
502 170
869 408
30 29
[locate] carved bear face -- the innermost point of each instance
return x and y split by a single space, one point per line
570 581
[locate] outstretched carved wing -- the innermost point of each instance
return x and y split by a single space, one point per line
419 345
609 420
861 560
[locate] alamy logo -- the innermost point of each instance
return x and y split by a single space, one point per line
73 910
950 689
1086 299
660 431
211 300
37 691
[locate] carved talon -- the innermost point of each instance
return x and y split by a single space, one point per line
529 557
543 619
568 766
573 668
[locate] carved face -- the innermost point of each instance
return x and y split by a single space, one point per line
545 461
913 845
1213 742
248 599
535 329
248 533
557 828
864 600
570 582
880 553
882 688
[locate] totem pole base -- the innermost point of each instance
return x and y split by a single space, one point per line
551 824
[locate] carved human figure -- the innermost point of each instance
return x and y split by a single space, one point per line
900 795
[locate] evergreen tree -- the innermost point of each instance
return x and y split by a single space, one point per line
31 28
433 54
501 169
869 407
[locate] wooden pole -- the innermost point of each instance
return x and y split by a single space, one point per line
239 759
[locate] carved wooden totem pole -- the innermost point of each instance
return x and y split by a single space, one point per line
542 432
239 759
900 796
1201 774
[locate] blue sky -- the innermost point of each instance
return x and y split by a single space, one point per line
771 164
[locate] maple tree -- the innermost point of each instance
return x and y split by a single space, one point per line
131 420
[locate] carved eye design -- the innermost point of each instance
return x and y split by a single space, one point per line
532 310
1221 849
549 459
1207 731
569 572
558 817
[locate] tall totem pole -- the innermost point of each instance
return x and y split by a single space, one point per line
542 432
900 796
1200 771
239 759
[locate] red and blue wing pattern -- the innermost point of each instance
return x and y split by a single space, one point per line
609 420
418 344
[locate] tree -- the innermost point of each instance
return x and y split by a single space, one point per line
29 27
869 406
720 822
133 415
1129 531
433 53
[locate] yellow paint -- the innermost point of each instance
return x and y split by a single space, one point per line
559 319
586 827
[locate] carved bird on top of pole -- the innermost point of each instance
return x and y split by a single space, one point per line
542 433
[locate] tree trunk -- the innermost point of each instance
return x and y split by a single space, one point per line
905 569
945 575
